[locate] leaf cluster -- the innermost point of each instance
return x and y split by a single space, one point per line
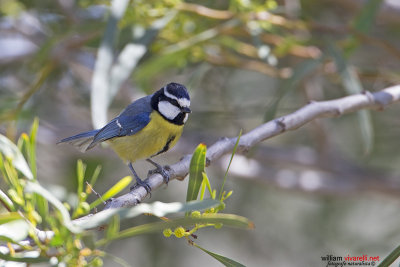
36 226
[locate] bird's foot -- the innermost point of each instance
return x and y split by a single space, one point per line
140 182
163 170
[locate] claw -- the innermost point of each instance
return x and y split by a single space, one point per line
163 170
140 182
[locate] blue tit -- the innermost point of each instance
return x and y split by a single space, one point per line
146 128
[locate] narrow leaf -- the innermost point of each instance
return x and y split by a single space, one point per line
42 205
197 167
206 183
95 175
394 255
8 217
37 188
6 200
230 220
24 258
11 151
113 227
16 230
157 208
80 175
32 146
365 19
118 187
229 165
224 260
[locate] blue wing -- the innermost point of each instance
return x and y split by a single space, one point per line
123 125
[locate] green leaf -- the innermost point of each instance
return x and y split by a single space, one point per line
95 175
205 183
6 200
25 258
113 227
118 187
365 19
37 188
42 206
11 151
230 220
362 24
197 167
80 175
157 208
390 258
32 146
16 230
229 165
224 260
8 217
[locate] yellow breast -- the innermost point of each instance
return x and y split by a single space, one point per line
158 136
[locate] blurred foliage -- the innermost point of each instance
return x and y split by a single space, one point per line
33 213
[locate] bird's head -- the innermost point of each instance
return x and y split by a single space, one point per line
172 102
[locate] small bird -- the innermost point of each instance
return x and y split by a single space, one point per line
146 128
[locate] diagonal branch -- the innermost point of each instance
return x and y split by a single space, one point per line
330 108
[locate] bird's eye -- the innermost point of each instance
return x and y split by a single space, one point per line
174 102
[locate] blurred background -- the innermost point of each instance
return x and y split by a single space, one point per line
331 187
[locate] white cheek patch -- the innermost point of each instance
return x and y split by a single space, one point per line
168 110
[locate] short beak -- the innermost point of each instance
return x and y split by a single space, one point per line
186 110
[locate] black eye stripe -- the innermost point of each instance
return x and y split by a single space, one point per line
174 102
170 100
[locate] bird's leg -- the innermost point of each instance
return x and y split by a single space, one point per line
163 170
139 182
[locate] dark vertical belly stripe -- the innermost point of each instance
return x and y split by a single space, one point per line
166 147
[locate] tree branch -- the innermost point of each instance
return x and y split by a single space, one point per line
330 108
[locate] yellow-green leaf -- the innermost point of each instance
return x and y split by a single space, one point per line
230 220
118 187
11 151
197 167
157 209
8 217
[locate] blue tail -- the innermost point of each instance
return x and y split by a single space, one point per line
82 140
